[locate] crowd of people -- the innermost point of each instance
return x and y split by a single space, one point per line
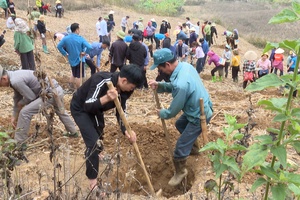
129 57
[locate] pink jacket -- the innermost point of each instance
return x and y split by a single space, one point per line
213 57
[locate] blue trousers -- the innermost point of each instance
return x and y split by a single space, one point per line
189 133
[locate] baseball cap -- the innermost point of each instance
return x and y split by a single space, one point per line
161 56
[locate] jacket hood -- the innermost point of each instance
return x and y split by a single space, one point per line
210 53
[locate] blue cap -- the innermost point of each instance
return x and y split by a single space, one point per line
161 56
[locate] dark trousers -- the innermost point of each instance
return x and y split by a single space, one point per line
114 68
226 68
150 38
91 65
27 60
145 82
199 65
157 43
58 12
90 133
217 68
124 29
204 60
208 39
235 72
2 42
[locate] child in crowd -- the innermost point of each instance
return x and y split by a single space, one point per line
235 65
11 7
41 26
58 9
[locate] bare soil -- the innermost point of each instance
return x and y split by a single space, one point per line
126 176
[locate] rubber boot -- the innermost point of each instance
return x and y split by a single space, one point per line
45 49
213 79
180 171
195 148
220 79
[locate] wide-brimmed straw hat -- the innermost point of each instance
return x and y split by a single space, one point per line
121 34
279 50
152 20
58 1
250 55
111 12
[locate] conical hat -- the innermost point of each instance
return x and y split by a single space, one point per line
250 55
279 50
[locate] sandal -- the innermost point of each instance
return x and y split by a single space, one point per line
69 134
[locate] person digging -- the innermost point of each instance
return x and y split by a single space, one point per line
186 88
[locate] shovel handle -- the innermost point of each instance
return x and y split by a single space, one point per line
128 128
203 122
167 136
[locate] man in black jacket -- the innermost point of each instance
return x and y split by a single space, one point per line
136 54
88 105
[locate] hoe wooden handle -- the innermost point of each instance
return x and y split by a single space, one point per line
203 122
167 136
128 128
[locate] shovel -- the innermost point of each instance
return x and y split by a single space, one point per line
136 148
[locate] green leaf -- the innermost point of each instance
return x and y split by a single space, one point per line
259 182
238 126
209 146
231 163
286 15
294 189
220 169
269 172
254 157
264 139
221 146
231 120
270 80
295 112
238 136
276 104
273 130
237 147
281 118
280 153
296 145
279 191
4 135
296 7
292 178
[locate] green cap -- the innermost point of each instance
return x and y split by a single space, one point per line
161 56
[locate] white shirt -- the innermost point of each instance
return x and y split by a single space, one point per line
98 27
10 23
103 28
124 22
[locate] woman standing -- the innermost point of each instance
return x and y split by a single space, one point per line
249 67
278 61
23 44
